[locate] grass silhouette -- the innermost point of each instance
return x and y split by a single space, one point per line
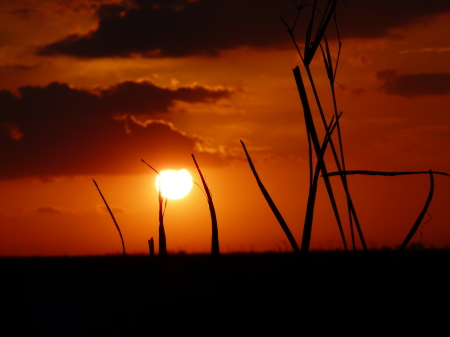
422 214
124 266
272 205
113 218
315 39
318 24
261 292
162 232
215 231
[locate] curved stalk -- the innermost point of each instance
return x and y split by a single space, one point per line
421 215
113 218
272 205
215 231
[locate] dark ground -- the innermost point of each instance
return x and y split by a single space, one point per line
353 293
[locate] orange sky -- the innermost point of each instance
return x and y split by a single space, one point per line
88 88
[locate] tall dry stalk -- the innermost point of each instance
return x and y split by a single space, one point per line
125 269
162 233
312 195
112 216
421 215
306 239
419 219
313 40
272 205
215 231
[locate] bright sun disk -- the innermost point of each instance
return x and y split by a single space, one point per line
175 184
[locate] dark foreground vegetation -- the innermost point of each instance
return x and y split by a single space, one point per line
330 291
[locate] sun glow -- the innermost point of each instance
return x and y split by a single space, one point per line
174 184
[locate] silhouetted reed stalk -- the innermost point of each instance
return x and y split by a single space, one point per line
307 229
272 205
306 239
331 73
310 48
113 218
162 233
350 207
421 215
427 202
215 231
125 270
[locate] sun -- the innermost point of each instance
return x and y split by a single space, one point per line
175 184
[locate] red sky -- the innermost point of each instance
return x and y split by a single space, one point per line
89 88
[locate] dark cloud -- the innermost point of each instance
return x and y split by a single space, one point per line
148 98
375 18
177 28
59 130
182 28
414 85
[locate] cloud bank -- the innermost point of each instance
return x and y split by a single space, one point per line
206 27
60 130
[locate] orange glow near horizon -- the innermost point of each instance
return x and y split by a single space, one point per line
81 113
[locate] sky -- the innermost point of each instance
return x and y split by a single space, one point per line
88 88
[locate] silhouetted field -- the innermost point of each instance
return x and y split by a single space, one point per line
337 291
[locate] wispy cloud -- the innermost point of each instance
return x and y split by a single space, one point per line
101 208
50 209
426 50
